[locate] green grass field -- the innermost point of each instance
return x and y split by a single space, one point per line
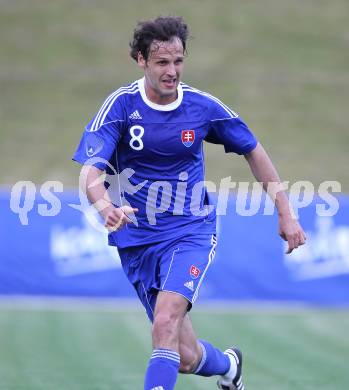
283 65
81 347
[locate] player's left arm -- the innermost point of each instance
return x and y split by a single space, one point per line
265 172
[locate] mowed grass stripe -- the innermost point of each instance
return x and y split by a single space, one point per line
284 348
94 350
69 350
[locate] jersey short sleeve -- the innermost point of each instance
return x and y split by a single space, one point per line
228 129
101 135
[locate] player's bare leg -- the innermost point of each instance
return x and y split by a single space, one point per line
164 363
170 310
211 362
189 348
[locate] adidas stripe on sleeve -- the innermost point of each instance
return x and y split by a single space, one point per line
103 132
226 127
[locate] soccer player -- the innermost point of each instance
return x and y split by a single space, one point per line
151 134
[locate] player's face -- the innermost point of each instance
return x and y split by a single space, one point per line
163 70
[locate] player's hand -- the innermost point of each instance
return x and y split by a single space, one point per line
117 217
291 231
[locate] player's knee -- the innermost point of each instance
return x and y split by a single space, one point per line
188 365
165 328
190 359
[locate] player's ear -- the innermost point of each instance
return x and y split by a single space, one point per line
141 60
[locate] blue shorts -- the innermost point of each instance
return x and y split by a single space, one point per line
177 266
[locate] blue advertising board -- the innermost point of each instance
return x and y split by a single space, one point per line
62 254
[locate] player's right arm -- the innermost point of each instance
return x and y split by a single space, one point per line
97 145
93 185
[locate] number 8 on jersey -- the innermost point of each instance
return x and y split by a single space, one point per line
136 142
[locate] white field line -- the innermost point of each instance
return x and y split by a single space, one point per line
30 303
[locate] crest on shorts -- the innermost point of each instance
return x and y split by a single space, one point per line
194 272
188 137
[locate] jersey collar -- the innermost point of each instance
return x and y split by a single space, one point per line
160 107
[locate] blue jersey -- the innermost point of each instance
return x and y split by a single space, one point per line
155 152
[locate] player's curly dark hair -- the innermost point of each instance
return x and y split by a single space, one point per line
163 28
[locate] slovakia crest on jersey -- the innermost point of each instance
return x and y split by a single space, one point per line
188 137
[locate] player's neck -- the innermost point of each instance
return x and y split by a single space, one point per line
157 98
